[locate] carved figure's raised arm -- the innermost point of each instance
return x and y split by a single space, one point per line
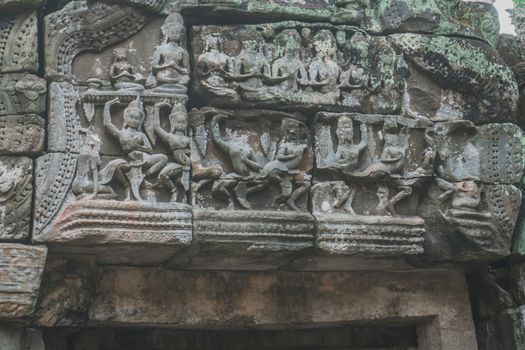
108 123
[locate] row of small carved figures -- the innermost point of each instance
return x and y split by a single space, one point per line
322 71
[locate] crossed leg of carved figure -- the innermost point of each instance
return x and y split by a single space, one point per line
154 163
344 197
122 179
404 191
170 176
304 187
224 186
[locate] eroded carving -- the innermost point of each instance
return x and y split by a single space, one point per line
289 64
18 43
82 26
21 94
383 162
21 134
243 160
16 188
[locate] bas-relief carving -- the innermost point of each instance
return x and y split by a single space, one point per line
369 172
21 134
22 94
16 187
81 26
289 65
469 220
18 43
251 177
126 152
125 130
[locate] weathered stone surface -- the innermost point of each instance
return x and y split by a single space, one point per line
66 291
488 88
18 338
310 10
16 186
81 26
21 268
517 282
21 134
150 5
22 94
18 42
504 331
469 221
250 299
492 153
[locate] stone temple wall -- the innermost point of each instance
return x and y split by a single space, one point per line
272 174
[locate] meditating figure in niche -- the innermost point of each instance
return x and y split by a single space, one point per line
355 76
250 66
175 174
288 69
244 163
284 169
171 63
212 66
122 75
135 144
323 70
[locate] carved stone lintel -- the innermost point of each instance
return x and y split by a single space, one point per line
21 268
16 186
255 230
82 26
18 43
22 93
92 222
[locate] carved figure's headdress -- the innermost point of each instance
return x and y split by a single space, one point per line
134 106
177 111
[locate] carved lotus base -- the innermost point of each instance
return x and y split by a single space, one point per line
122 232
257 230
370 235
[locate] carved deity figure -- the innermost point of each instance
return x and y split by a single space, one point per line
323 70
347 158
212 65
284 169
135 144
179 144
171 62
91 182
355 76
250 66
393 155
122 74
288 69
244 163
